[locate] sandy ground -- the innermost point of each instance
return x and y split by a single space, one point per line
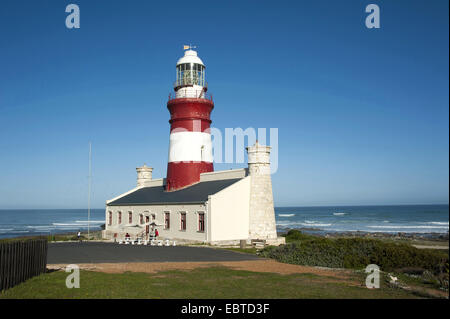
270 266
430 247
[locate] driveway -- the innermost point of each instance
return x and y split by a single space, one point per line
97 252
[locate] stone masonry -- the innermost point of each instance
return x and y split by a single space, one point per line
262 214
144 175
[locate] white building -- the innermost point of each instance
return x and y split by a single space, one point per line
223 208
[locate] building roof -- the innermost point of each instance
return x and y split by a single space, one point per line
156 195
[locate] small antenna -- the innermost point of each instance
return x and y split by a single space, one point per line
89 187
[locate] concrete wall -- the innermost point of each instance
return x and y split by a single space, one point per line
191 233
229 212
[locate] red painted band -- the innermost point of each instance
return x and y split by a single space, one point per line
190 108
189 125
183 174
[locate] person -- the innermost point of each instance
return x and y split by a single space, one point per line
127 237
79 236
152 234
156 233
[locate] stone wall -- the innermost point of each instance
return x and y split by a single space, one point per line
262 214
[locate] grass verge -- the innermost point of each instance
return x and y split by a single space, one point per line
209 283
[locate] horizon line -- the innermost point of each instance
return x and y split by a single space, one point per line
290 206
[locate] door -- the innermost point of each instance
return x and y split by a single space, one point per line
147 226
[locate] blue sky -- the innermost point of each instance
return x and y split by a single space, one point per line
363 114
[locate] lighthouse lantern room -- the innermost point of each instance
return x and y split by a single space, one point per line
190 80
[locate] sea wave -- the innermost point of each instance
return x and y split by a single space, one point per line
38 227
100 221
408 227
68 224
301 224
438 223
339 214
286 215
315 225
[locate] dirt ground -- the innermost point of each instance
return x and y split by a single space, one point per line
271 266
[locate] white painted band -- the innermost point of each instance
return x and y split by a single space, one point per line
190 146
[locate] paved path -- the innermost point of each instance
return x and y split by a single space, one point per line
65 253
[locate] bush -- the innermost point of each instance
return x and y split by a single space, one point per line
295 235
355 253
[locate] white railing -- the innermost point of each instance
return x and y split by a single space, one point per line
196 94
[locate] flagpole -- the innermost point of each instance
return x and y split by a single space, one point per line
89 191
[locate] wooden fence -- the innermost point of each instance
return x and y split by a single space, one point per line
21 260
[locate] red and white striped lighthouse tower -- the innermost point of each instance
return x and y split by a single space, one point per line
190 150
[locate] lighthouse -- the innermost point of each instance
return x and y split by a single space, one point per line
190 147
194 203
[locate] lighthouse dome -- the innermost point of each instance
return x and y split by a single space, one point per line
190 56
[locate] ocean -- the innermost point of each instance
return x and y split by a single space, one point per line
33 222
386 219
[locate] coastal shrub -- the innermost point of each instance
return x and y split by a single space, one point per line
356 253
295 235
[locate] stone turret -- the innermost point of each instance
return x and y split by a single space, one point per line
262 214
144 175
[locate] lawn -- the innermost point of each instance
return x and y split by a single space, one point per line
208 283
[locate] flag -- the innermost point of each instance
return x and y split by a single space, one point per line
186 47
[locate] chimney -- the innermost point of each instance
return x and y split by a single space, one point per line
144 175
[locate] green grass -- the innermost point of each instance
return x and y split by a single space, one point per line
214 282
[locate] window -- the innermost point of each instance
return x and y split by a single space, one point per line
183 221
201 222
110 218
166 220
130 217
119 218
153 217
141 218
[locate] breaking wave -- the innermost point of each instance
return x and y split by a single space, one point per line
92 221
408 227
439 223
